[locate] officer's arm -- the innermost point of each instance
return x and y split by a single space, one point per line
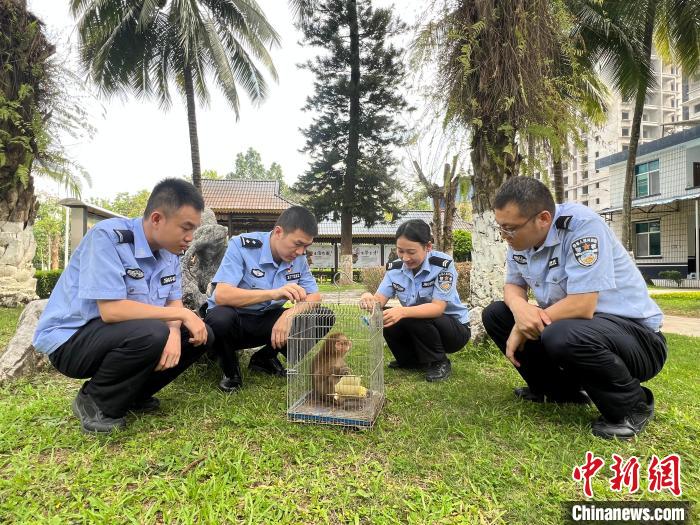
574 306
425 311
514 296
228 295
116 311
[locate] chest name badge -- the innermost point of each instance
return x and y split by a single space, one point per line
168 279
428 284
445 281
586 250
135 273
520 259
257 272
553 262
292 276
398 287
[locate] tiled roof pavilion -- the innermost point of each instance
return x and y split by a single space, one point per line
254 205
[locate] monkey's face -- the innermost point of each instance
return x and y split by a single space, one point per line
343 345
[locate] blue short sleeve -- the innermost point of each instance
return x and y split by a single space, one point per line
307 280
589 259
513 274
101 270
385 287
445 288
231 268
176 290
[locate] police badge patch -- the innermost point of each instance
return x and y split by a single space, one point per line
586 250
293 276
168 279
257 272
135 273
520 259
397 287
445 280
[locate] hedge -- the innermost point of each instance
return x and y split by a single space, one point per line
45 281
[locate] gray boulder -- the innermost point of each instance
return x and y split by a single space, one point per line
202 259
20 358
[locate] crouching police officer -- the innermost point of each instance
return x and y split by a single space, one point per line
431 321
116 315
259 273
595 328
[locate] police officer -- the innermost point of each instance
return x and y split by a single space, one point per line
594 330
259 273
116 315
431 321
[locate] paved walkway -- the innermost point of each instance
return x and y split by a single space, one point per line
673 324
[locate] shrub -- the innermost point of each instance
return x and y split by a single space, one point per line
371 277
463 270
673 275
462 245
45 281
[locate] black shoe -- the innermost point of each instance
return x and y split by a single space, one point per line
630 425
150 404
438 371
266 364
91 417
575 398
230 384
399 366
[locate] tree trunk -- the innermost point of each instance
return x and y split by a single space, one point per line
192 124
634 133
55 253
437 220
353 146
558 174
450 190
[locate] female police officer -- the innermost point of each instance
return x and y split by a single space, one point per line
431 321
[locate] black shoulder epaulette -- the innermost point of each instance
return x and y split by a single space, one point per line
562 223
439 261
395 265
125 236
247 242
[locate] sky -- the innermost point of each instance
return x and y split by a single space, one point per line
136 144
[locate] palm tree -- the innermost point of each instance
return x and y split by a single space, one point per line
498 66
144 46
620 35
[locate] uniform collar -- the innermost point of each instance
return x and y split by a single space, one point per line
266 251
552 238
141 248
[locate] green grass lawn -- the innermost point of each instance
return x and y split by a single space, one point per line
464 451
8 324
686 304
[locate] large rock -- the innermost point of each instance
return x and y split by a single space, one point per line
17 247
202 259
20 358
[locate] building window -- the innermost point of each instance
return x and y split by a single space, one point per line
597 185
584 190
597 201
696 108
646 179
566 181
625 147
696 174
645 134
585 203
625 115
648 238
597 154
625 132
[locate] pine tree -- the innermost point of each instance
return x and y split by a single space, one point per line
352 173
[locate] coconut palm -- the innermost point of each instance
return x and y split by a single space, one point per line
620 35
147 46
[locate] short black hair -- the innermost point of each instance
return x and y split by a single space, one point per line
529 194
416 230
170 195
298 218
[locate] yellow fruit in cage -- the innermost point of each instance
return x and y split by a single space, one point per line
350 386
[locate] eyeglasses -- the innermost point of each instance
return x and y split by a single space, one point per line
512 232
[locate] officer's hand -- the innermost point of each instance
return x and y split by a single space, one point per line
293 292
278 338
367 301
515 342
393 316
196 326
171 353
531 320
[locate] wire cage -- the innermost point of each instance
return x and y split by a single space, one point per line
335 365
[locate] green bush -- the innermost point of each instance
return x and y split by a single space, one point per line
45 281
673 275
371 277
462 246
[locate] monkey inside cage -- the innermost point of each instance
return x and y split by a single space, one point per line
335 365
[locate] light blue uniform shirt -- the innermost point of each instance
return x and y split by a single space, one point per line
107 265
582 255
248 264
436 279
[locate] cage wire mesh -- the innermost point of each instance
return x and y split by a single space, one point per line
335 365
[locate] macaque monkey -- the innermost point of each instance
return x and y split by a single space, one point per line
328 367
